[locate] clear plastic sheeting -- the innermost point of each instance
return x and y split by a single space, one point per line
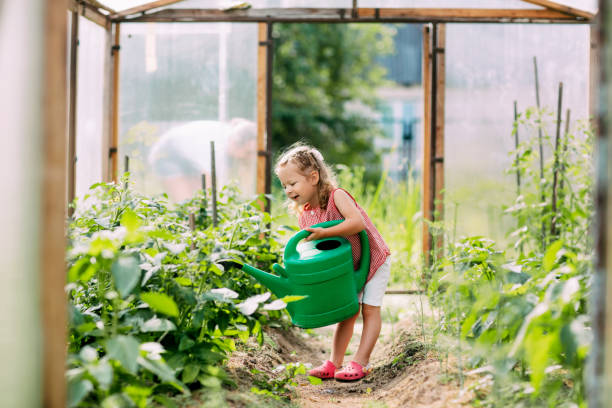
586 5
488 67
259 4
480 4
183 86
119 5
90 105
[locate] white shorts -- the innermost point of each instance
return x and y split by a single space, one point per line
374 290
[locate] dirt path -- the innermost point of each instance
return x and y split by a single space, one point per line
407 372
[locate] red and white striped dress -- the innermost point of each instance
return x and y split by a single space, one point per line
379 251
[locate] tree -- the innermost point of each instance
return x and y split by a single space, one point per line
319 69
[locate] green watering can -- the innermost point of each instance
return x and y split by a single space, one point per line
323 271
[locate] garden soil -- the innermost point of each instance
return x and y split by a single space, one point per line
406 372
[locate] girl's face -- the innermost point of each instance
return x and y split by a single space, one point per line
298 187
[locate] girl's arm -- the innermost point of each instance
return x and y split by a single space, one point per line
352 224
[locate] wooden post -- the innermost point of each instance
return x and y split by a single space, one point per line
107 109
264 54
72 101
427 205
599 386
439 77
114 146
52 238
213 183
433 145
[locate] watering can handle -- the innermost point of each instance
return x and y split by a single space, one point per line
364 266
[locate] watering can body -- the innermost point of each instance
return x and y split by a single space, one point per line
322 270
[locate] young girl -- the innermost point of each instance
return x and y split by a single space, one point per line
310 186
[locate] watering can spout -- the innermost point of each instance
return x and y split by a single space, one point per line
279 285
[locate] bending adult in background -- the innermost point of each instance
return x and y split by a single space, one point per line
182 155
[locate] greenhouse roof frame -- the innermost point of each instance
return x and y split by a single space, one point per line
550 12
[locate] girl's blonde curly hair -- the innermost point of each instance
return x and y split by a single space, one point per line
307 159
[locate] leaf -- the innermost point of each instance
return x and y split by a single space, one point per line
314 380
130 220
137 394
153 349
250 305
125 350
103 373
571 286
292 298
88 354
117 401
190 373
225 292
165 401
181 280
77 391
175 248
160 302
165 373
126 274
157 325
186 343
209 381
276 305
550 258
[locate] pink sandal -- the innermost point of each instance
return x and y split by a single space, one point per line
324 371
352 372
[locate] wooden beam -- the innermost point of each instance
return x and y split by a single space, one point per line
553 5
438 136
107 104
72 109
143 8
427 168
594 70
339 15
262 108
466 14
113 151
89 12
52 240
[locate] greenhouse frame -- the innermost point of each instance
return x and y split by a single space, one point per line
49 167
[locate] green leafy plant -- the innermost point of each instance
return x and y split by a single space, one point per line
521 312
153 310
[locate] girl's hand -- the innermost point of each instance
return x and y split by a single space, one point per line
316 233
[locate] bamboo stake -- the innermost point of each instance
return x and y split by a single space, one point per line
565 139
72 117
553 226
192 228
516 145
127 169
213 176
537 91
113 151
